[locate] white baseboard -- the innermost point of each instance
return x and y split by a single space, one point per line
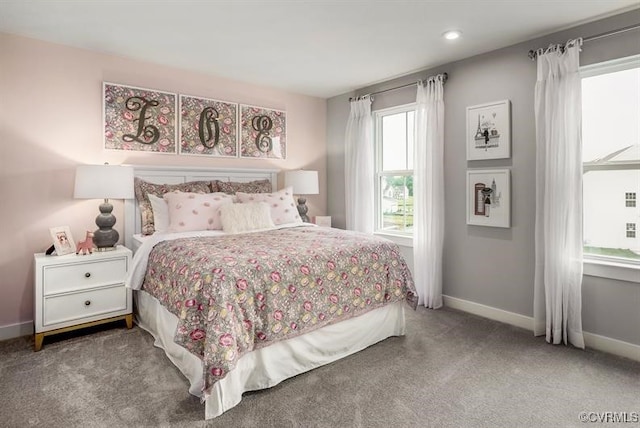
12 331
594 341
612 346
489 312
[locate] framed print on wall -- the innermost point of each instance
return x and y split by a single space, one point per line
208 127
489 197
489 131
263 133
139 119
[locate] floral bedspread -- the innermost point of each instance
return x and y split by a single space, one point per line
236 293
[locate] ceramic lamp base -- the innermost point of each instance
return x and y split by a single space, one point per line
303 209
105 237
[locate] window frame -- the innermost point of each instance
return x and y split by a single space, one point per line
607 266
401 238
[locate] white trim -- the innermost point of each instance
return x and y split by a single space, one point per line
612 270
12 331
489 312
591 340
402 240
601 266
612 346
378 171
615 65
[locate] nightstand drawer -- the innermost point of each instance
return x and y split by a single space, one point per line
68 307
78 276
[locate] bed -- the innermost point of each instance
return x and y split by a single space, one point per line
260 307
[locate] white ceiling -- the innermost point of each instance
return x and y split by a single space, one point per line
321 48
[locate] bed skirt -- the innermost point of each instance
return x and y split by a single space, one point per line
268 366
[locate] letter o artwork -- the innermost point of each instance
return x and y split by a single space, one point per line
208 137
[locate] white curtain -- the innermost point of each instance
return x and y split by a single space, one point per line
428 190
358 169
558 233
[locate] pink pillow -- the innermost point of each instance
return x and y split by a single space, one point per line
195 211
283 208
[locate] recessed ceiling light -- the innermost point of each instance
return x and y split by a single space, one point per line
452 34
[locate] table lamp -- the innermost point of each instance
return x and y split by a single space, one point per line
104 182
303 183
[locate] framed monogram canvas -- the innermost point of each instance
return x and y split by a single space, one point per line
208 127
263 133
139 119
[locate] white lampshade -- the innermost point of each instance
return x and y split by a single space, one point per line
303 182
104 182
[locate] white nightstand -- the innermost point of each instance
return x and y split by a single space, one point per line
77 291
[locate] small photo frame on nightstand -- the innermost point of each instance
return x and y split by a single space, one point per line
62 240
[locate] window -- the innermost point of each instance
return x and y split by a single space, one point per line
631 230
630 199
394 137
611 160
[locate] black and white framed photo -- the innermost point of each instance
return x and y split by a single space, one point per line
62 240
489 197
489 131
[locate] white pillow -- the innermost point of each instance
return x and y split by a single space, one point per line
245 217
195 211
283 208
160 213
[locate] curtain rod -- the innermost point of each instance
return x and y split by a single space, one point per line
533 53
445 76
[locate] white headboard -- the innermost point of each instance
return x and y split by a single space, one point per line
175 175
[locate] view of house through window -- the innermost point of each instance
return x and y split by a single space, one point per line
611 158
394 136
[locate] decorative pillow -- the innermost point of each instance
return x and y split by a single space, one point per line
160 213
245 217
283 208
144 188
232 187
195 211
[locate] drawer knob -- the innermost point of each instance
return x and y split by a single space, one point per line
87 302
87 275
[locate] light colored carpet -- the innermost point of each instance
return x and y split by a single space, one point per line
451 370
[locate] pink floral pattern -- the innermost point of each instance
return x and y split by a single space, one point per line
119 121
277 133
231 187
190 111
143 188
236 293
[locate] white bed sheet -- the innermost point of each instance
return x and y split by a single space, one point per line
268 366
138 239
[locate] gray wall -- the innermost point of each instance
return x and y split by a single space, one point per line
492 266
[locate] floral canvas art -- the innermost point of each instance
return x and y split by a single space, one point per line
263 133
139 119
208 127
